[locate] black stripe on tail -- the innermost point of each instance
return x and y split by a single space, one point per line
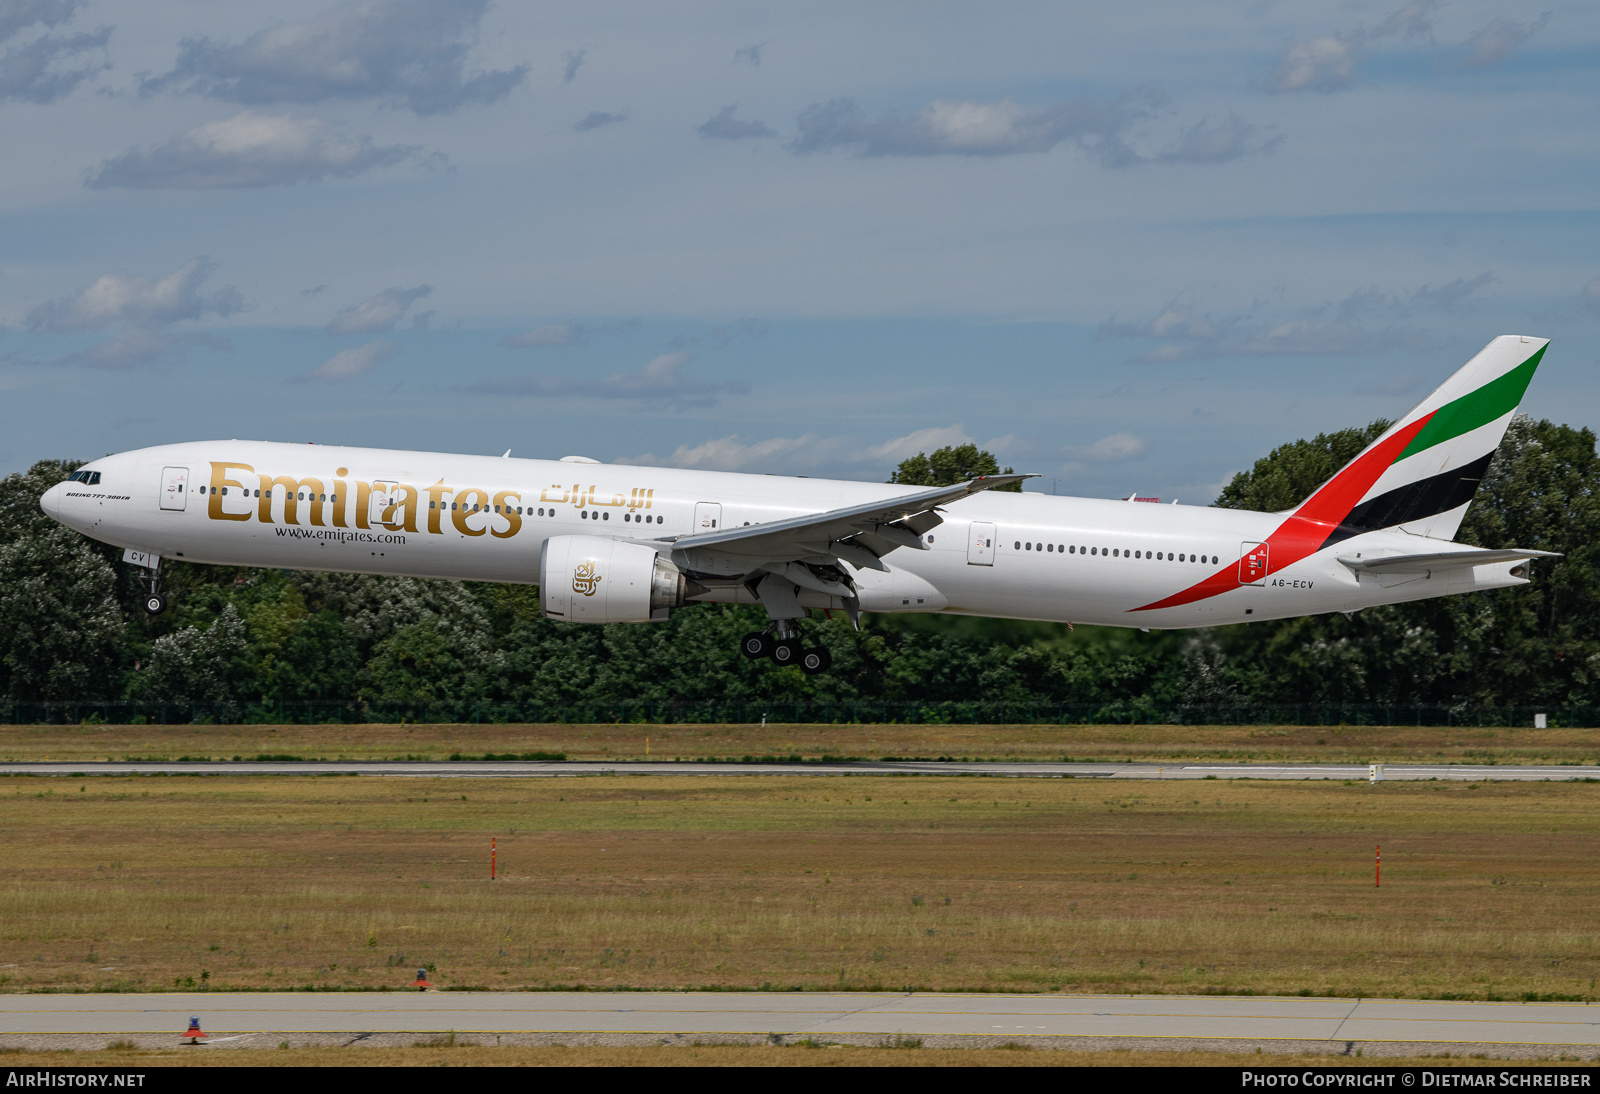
1414 501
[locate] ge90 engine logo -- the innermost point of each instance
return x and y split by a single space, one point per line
585 580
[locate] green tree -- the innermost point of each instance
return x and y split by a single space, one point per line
319 661
61 631
208 664
413 666
1534 644
950 465
61 627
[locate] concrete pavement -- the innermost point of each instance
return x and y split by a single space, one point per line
263 1019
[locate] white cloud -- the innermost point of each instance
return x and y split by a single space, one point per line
812 453
380 313
248 150
661 383
1328 62
50 66
138 301
407 52
348 364
1117 447
138 348
729 453
724 126
18 15
1343 328
1494 43
922 440
1101 127
1229 139
596 119
751 54
571 61
554 334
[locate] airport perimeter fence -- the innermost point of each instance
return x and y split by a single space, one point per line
754 711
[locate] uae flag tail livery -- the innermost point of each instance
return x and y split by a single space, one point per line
1418 478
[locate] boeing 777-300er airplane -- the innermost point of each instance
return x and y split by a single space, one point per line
612 543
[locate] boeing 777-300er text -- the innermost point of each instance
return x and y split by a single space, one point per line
613 543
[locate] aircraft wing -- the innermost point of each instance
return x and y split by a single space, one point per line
858 534
1438 560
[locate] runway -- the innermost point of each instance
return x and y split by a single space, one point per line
1015 770
1276 1024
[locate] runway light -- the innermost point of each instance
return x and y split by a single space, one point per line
194 1035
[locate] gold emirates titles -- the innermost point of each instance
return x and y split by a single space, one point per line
403 508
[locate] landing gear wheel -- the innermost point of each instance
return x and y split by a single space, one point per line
814 661
786 651
756 645
155 604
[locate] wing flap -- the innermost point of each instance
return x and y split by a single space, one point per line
893 522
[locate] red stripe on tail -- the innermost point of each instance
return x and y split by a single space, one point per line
1308 529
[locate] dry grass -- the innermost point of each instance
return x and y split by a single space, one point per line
1320 744
799 1055
814 883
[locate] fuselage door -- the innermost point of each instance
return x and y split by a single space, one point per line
980 545
383 496
707 516
174 487
1253 566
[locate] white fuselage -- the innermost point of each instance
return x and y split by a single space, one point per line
389 512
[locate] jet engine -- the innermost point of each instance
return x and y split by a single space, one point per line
598 579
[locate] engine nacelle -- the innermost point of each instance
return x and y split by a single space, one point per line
598 579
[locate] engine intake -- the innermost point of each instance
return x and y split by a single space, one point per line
598 579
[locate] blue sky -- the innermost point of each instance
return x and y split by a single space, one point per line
1126 247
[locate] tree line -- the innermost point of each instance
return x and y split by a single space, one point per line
72 626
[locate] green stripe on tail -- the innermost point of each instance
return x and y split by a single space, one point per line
1477 408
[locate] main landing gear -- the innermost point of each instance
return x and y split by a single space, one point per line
785 649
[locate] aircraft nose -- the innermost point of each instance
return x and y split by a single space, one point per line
50 500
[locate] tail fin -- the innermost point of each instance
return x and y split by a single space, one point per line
1421 475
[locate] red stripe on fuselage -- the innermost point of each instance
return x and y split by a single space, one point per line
1304 533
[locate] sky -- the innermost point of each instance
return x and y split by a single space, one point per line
1130 248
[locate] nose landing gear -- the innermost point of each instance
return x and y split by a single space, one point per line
155 601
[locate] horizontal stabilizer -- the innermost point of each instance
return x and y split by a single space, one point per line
1438 560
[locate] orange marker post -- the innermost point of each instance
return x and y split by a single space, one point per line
1377 867
492 842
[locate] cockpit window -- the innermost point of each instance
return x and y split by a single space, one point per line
88 478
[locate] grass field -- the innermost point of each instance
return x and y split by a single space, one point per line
802 1055
1276 744
822 883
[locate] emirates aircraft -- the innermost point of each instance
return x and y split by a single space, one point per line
612 543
